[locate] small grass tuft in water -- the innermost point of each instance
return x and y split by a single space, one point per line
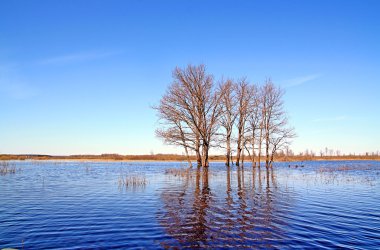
6 168
87 167
343 168
180 172
132 181
348 174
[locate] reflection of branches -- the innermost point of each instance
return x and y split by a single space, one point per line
241 215
186 215
200 206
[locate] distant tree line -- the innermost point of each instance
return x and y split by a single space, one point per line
199 113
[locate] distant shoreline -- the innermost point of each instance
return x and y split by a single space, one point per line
173 158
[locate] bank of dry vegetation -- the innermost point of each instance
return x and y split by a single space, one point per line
173 157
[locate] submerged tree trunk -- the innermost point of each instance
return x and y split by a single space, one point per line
271 160
242 151
197 151
253 150
267 150
238 153
244 96
228 153
239 146
242 158
228 116
205 162
260 146
199 158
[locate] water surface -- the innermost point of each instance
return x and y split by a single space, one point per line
77 205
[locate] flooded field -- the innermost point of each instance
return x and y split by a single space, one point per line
82 205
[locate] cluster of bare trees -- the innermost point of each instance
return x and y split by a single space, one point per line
198 113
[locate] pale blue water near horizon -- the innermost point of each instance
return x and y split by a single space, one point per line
77 205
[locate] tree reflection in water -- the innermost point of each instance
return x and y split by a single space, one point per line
224 209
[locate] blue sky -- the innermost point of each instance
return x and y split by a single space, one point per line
80 76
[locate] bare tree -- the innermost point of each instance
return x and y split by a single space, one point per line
275 121
197 115
253 123
279 138
174 130
194 102
243 96
261 132
229 114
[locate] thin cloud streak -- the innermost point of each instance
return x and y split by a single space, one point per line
12 86
300 80
18 91
78 57
332 119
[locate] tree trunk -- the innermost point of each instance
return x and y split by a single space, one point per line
260 145
197 151
238 151
253 150
205 162
272 157
242 153
242 158
267 150
228 153
271 160
199 158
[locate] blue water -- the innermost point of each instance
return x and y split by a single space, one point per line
76 205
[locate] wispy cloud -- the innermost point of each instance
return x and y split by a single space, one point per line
332 119
300 80
78 57
12 86
18 90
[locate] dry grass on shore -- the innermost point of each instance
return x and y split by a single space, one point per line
174 157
